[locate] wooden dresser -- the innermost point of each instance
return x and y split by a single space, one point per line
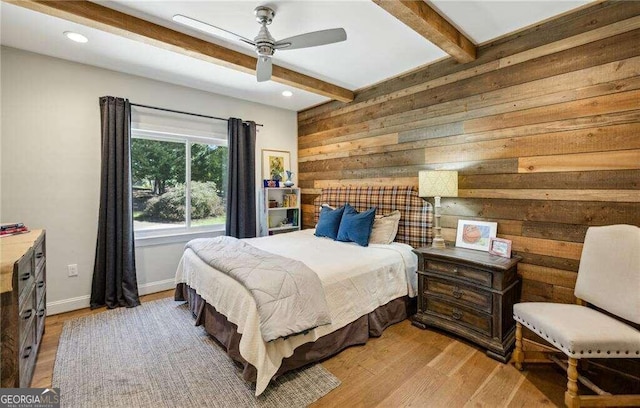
22 305
471 294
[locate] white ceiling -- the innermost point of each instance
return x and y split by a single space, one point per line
378 46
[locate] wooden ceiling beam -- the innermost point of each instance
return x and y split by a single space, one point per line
431 25
103 18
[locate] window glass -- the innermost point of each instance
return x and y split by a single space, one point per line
165 198
208 181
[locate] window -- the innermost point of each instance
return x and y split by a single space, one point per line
178 182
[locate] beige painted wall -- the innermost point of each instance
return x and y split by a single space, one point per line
50 158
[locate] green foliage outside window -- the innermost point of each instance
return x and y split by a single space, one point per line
158 175
170 206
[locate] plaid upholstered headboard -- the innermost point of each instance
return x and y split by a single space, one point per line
415 226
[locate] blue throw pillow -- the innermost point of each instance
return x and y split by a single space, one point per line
356 227
329 222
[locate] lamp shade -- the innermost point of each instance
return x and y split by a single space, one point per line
438 183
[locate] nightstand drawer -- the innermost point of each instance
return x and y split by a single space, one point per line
460 271
472 319
458 293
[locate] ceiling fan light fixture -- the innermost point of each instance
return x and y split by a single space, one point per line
288 94
79 38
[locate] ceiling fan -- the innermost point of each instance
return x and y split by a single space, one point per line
264 44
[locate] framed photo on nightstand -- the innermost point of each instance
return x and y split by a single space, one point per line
475 234
501 247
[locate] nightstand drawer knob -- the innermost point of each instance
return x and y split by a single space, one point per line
457 293
456 314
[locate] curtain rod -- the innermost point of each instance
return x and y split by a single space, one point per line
184 113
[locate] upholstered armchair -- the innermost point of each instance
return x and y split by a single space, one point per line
604 323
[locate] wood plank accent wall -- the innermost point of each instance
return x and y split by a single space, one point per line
544 129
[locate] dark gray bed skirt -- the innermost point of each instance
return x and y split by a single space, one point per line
355 333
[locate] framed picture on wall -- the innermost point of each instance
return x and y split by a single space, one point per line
274 164
475 234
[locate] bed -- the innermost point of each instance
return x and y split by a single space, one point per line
366 288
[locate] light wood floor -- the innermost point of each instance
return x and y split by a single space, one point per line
405 367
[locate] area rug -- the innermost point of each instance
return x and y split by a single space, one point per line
153 356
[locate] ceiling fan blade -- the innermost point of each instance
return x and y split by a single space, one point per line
264 68
313 39
210 29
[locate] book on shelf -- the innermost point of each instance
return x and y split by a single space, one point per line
290 200
292 216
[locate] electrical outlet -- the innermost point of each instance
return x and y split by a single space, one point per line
73 269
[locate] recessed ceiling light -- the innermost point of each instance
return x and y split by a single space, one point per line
76 37
287 93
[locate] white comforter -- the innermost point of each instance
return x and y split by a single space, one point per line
356 280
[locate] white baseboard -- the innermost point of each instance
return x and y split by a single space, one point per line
67 305
158 286
81 302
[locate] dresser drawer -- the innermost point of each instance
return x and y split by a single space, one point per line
458 293
460 271
39 254
27 355
40 318
41 285
472 319
25 275
26 314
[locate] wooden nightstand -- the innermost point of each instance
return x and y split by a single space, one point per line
471 294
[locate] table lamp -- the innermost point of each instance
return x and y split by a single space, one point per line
438 183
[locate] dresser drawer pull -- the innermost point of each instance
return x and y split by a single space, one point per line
27 352
457 293
39 255
27 314
41 312
456 314
25 276
41 284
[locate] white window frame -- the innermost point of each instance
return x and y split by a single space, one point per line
160 236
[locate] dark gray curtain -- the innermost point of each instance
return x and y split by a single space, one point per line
241 184
114 272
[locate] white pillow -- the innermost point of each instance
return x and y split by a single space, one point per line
385 228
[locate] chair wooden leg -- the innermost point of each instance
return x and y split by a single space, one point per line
518 354
571 398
